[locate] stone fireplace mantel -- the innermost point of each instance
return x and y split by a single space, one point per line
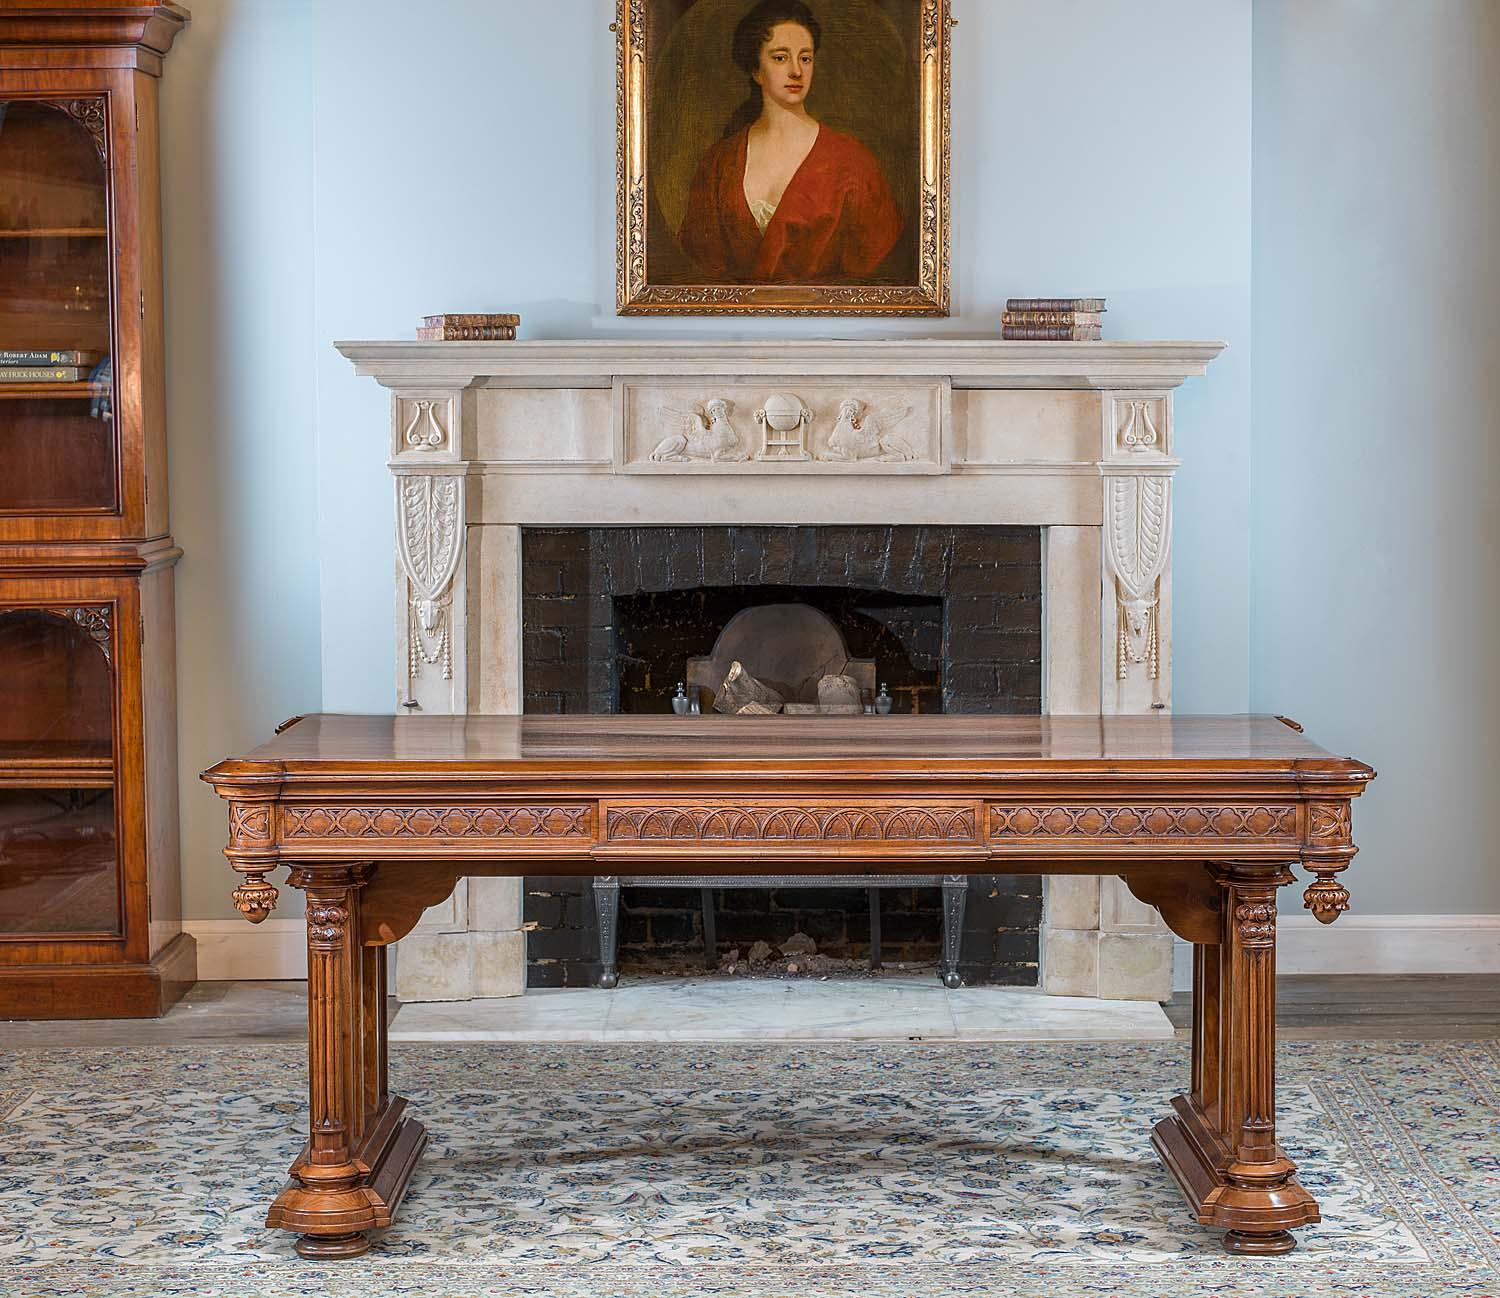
1075 438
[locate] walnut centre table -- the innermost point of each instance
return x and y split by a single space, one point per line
378 817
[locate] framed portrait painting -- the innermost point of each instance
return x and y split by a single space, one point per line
783 157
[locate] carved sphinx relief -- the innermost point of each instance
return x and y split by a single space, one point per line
816 426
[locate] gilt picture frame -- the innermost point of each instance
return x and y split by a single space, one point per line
783 157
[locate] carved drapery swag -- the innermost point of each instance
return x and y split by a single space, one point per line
430 544
1138 540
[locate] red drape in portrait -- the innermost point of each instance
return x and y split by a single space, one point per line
836 222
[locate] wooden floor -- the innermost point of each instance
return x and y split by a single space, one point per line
1427 1007
1418 1007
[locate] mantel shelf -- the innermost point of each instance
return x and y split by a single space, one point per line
968 362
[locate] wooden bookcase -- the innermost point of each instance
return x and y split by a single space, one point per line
90 892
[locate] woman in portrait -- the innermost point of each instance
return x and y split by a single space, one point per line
783 198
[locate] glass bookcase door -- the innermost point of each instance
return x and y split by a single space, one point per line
57 395
59 870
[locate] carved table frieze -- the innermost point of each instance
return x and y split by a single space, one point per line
499 822
1145 822
876 824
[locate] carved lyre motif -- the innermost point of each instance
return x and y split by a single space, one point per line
423 432
1138 432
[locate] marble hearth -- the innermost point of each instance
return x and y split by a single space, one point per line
1077 439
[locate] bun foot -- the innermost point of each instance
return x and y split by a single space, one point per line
609 981
323 1247
952 980
1278 1241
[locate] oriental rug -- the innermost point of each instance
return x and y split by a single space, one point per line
854 1170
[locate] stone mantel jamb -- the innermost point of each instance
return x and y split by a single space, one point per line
462 501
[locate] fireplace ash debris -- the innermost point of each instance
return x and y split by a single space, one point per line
799 944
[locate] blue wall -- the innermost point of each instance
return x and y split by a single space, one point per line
336 170
237 108
1376 475
460 169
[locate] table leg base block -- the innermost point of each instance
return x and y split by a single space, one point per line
1259 1203
1281 1241
331 1220
323 1247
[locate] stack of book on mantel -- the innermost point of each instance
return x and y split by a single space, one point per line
470 328
45 365
1053 319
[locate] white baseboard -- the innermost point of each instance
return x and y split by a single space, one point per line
1372 944
1375 944
234 949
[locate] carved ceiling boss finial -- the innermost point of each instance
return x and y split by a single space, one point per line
1330 849
255 898
249 842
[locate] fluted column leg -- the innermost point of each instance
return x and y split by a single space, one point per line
1262 1191
324 1200
360 1147
1220 1143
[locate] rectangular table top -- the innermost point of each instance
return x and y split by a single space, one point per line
324 745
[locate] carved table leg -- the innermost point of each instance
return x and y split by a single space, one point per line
607 909
1220 1143
955 903
361 1149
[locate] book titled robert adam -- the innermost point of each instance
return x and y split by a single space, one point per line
472 328
41 356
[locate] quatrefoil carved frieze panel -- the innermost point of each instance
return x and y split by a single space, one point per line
449 822
1134 823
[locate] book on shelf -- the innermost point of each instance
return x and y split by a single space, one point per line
470 318
41 356
44 373
467 333
1054 304
1051 319
1077 334
469 327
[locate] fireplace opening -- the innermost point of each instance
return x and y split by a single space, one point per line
947 618
660 634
